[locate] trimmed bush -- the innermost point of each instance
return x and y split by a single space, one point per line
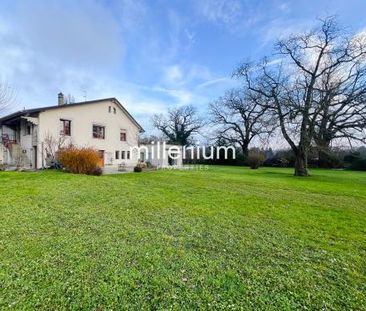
137 169
80 160
255 159
276 162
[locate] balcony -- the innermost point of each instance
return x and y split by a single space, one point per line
8 139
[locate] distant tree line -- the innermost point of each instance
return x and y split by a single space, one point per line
313 94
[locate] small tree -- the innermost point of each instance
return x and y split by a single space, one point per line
255 158
70 99
52 145
179 124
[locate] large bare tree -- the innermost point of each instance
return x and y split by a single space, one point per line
342 100
239 119
179 124
294 87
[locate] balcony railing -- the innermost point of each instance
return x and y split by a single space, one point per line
7 138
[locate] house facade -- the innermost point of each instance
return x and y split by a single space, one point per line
30 137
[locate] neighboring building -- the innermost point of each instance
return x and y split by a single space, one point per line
28 136
162 155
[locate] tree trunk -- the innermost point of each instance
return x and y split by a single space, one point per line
325 159
245 150
301 164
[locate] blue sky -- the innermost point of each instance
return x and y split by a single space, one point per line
151 55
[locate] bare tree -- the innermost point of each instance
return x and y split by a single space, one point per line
148 139
293 88
52 145
240 119
69 99
179 124
342 98
7 97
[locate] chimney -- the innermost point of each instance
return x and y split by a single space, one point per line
61 100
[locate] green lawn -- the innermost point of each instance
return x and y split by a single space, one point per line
222 238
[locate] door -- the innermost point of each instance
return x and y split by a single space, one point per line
101 158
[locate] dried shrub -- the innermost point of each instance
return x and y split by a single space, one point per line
255 159
141 164
79 160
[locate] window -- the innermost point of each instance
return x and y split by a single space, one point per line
109 109
65 127
128 155
114 110
98 131
123 155
27 130
117 154
123 135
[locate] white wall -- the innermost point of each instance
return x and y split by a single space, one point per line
82 118
25 141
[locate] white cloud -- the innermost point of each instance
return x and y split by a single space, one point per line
173 74
223 11
77 46
72 32
227 81
280 28
235 15
131 13
51 46
284 7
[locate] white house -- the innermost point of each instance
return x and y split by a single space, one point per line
102 124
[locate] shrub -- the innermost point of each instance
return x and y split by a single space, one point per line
276 162
97 171
137 169
358 165
141 165
79 160
255 159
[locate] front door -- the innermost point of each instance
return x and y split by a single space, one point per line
101 158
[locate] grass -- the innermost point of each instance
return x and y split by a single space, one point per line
222 238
